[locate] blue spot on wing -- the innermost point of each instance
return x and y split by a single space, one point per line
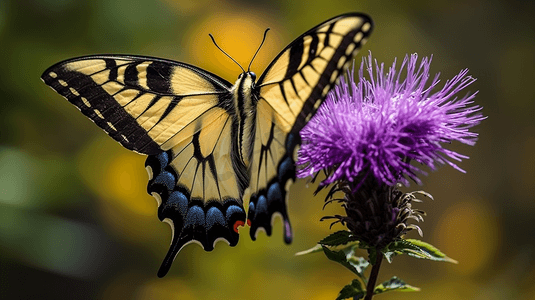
163 159
158 162
179 201
274 192
166 179
214 216
195 217
286 170
234 210
261 205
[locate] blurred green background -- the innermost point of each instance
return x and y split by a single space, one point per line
75 219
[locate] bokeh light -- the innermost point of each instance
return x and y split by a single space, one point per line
468 231
238 33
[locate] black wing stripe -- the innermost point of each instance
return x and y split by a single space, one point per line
312 50
130 75
296 52
293 86
112 66
283 93
159 77
170 107
97 104
152 102
328 34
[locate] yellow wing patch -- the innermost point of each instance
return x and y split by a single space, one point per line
309 67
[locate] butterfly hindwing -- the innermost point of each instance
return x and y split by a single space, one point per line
290 91
199 184
271 170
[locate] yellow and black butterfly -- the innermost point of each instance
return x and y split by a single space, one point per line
210 144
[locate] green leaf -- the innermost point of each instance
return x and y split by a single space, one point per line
432 251
347 248
314 249
341 258
360 264
353 290
341 237
348 259
389 255
394 284
416 248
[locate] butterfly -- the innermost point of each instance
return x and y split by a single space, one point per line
212 144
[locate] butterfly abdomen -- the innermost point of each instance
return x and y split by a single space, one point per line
245 114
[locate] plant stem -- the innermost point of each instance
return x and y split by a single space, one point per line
373 276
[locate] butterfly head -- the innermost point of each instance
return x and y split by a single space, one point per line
246 81
247 76
248 73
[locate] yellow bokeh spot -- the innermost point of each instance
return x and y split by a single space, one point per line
237 32
126 181
119 179
469 233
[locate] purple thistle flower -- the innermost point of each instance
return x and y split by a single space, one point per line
379 125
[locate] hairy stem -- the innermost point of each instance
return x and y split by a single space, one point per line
373 276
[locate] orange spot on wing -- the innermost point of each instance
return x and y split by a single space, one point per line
241 223
238 224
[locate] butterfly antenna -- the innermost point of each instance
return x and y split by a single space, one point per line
263 40
213 40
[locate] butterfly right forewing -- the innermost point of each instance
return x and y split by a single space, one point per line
289 92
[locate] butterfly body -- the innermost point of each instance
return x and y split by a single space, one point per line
212 145
245 106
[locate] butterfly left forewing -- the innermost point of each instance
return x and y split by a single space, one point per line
181 116
289 93
142 102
